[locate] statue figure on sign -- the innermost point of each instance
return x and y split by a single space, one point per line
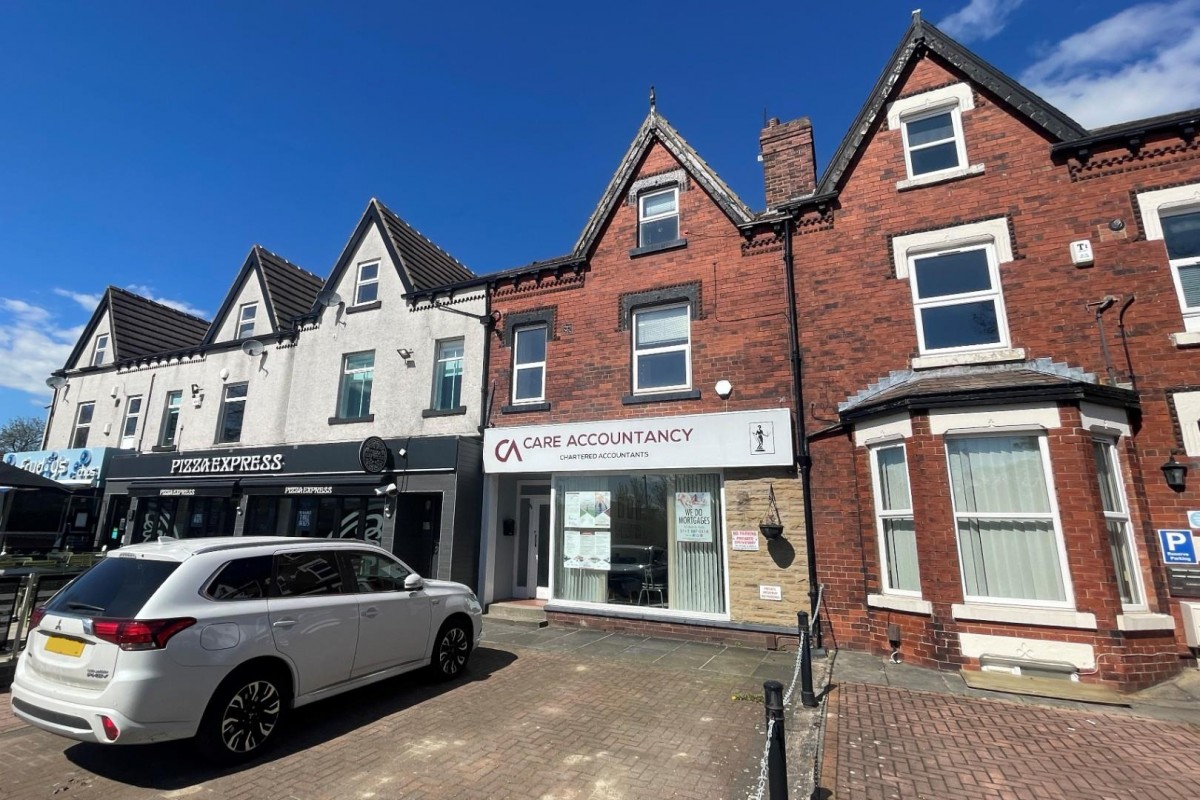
759 437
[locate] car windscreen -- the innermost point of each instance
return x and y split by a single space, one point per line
116 587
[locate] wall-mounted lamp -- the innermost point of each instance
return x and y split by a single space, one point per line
1175 474
56 381
405 353
401 452
723 389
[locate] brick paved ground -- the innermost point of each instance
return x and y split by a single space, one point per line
528 724
887 742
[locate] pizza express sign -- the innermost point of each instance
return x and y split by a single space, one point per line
220 465
735 439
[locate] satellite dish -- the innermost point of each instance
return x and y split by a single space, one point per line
328 297
252 347
56 381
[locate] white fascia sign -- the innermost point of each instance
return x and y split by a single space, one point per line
732 439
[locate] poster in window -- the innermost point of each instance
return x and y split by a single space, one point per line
304 518
693 517
588 509
587 550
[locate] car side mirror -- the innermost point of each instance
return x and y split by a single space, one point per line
414 582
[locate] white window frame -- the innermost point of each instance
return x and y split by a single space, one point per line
686 347
345 382
226 402
518 366
82 426
360 283
882 515
128 438
1164 203
954 100
243 320
100 350
1122 516
1056 519
177 394
995 294
440 364
644 219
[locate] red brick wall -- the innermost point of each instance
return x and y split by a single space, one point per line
857 325
741 335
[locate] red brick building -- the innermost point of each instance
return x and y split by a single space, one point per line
997 311
640 427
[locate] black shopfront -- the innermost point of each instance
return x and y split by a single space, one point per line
423 505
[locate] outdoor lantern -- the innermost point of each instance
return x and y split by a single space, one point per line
1175 474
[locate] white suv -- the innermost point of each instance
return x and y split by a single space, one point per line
219 638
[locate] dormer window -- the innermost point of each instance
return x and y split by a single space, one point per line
931 130
366 290
101 350
246 320
658 217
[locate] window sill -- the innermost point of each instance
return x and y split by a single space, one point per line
521 408
163 448
1022 615
1145 621
999 356
895 602
940 177
444 412
661 397
1186 339
674 244
350 420
364 307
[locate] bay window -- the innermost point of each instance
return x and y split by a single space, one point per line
1009 542
1116 517
894 520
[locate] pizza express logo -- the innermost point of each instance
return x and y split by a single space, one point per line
506 449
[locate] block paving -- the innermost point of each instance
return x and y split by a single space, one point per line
584 716
885 742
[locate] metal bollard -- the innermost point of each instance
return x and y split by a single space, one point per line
776 758
807 698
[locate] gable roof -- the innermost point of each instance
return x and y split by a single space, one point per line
922 35
140 327
420 263
288 290
655 128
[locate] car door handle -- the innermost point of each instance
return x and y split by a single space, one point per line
283 623
371 613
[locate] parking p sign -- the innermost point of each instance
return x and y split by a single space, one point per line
1178 547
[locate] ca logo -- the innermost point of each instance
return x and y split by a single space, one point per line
506 449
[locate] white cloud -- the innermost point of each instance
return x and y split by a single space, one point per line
979 20
88 301
31 347
179 305
1138 63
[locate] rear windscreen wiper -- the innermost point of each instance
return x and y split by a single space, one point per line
77 606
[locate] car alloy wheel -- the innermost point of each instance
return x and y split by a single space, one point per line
453 648
250 716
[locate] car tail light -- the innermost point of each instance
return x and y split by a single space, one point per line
36 616
110 728
140 634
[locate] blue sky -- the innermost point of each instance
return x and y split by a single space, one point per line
149 145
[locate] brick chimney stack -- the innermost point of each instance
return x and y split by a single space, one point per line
789 165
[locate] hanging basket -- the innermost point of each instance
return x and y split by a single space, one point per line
771 527
771 530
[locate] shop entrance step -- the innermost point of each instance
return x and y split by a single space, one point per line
530 613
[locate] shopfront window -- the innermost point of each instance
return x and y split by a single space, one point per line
644 540
184 517
330 516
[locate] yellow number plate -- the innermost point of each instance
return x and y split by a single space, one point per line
64 646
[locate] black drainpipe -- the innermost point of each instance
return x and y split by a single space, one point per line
803 459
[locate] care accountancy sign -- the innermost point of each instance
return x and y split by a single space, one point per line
732 439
